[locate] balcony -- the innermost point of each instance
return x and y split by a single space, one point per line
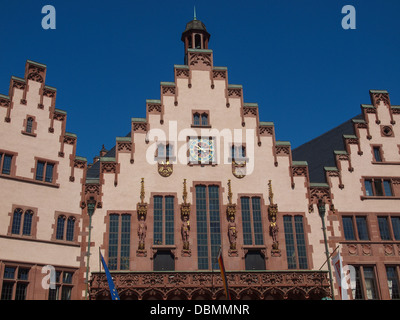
207 285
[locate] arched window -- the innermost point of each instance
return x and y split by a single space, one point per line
197 39
196 119
27 226
29 125
70 229
22 218
204 119
60 227
16 223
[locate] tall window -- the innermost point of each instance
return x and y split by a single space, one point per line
295 242
69 236
348 228
384 228
365 287
359 228
44 171
22 218
119 241
393 282
370 283
164 220
64 286
251 220
362 228
208 226
396 227
60 227
5 163
389 229
15 283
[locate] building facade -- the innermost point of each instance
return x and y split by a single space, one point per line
199 175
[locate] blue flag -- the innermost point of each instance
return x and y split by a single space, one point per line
113 291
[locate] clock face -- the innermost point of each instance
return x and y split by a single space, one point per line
201 150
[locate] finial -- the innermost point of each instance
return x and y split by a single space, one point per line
229 192
184 191
194 13
271 195
142 191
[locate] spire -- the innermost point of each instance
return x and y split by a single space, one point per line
194 13
229 192
184 191
142 191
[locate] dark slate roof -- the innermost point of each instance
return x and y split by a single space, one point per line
319 152
94 171
195 25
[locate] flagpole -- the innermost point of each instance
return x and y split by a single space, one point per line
321 211
99 261
329 256
212 275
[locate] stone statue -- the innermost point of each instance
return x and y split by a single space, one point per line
185 229
232 234
142 230
274 233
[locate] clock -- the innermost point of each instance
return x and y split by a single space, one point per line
201 150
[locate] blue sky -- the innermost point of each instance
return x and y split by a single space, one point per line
292 57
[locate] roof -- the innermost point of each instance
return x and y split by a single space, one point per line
195 25
94 171
319 152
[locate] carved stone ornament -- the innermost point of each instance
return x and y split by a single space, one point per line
190 285
200 58
182 73
239 168
352 249
4 102
165 169
378 97
36 73
389 249
387 131
219 74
